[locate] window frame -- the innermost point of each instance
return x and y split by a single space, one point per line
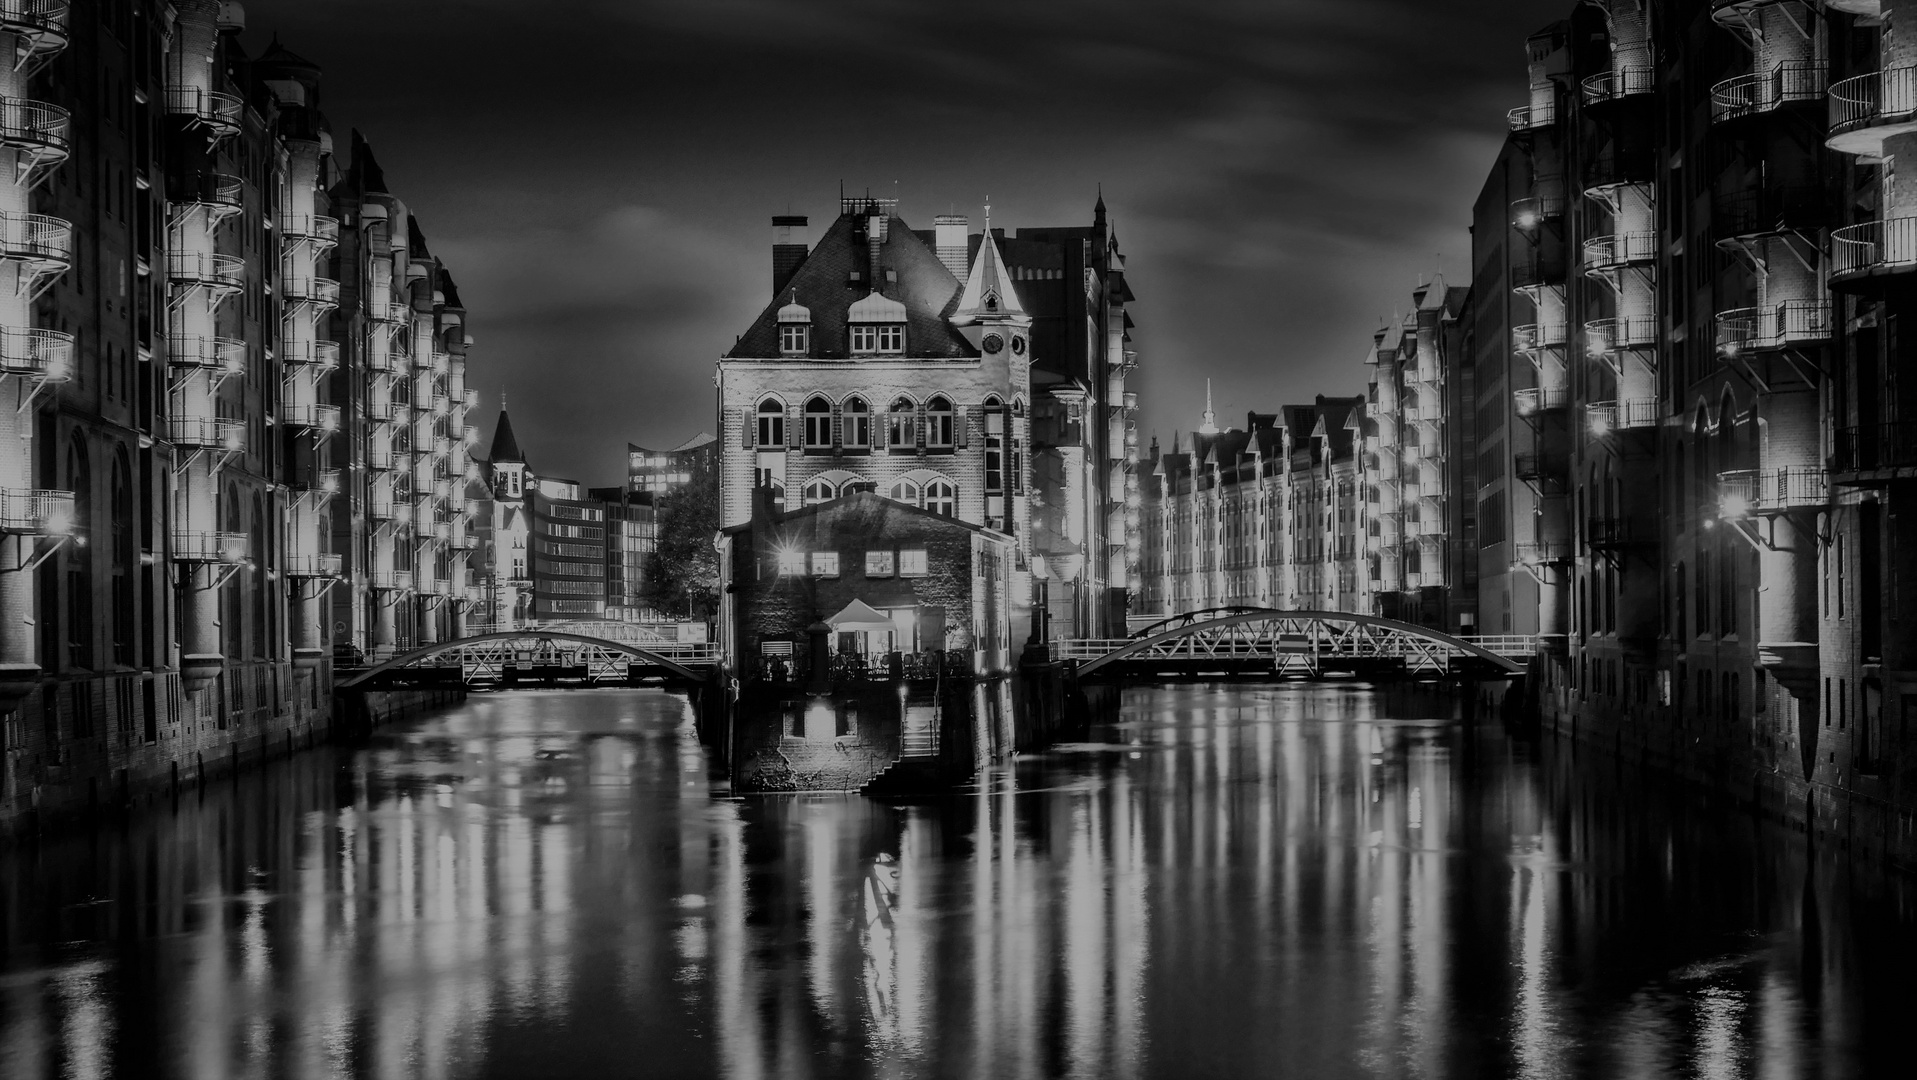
818 425
770 419
855 424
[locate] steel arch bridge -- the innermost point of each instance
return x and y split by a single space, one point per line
553 655
1299 643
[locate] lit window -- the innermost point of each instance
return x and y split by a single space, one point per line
878 564
938 423
912 562
818 424
857 424
795 339
825 564
791 562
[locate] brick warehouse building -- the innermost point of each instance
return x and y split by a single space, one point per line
933 368
177 464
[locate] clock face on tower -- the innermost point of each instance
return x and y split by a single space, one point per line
993 343
1018 345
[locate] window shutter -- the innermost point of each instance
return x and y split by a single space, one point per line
1018 467
838 429
793 431
751 425
962 419
920 441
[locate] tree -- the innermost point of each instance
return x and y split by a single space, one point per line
682 576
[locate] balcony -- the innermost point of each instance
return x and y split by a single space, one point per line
434 361
1605 253
385 507
1788 325
318 482
1530 337
393 580
1610 533
380 410
1541 553
1530 212
1781 208
1866 110
1606 417
224 355
1535 467
1602 337
190 545
439 405
41 26
207 433
36 353
1745 492
469 399
44 244
41 134
316 229
323 355
388 311
219 113
323 419
1791 82
1619 83
221 194
193 268
1879 446
35 512
1536 401
1535 271
1873 249
1529 118
317 291
301 564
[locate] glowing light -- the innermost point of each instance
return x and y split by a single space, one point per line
1733 506
1528 219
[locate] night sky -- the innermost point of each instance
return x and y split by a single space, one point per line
599 175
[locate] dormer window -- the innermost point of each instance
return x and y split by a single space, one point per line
876 326
795 329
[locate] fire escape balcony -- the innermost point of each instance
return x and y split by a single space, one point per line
1528 118
1536 401
434 361
391 312
1607 253
218 113
35 512
1868 8
1758 212
1873 249
1619 83
222 355
1867 109
439 404
321 419
384 507
323 355
380 410
39 134
194 269
1614 533
1534 210
469 400
321 564
42 245
318 292
1541 553
1788 325
318 230
1604 337
40 27
193 545
219 195
1747 492
46 355
1536 271
1791 82
379 457
1606 417
1533 467
1877 448
207 433
393 580
322 483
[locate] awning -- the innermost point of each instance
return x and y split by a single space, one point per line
859 616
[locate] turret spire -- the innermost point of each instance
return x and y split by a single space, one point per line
1210 426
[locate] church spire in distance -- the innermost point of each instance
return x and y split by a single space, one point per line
1210 425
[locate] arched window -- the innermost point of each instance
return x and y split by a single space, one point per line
905 491
818 424
941 499
771 423
938 424
122 556
818 491
857 424
901 426
79 557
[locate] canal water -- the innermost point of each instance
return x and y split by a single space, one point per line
1312 881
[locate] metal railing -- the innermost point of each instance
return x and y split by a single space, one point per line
312 417
36 511
35 126
1788 323
392 580
1743 492
321 354
380 410
1879 446
192 545
195 350
1540 553
1880 97
1765 210
1530 337
1533 117
1605 417
213 433
1533 210
1535 400
201 268
1619 83
1874 246
1760 92
1603 336
1611 532
34 16
388 311
302 564
1534 270
36 353
324 481
384 507
318 227
1620 249
38 237
214 188
311 290
209 107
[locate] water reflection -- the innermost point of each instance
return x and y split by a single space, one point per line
1231 881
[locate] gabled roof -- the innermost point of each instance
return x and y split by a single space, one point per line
988 289
869 503
824 286
505 445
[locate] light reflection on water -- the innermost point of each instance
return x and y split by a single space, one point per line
1323 881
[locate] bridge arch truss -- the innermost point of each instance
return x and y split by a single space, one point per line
491 658
1297 643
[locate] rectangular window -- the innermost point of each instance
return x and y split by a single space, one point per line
791 562
892 338
792 340
825 564
912 562
878 564
865 339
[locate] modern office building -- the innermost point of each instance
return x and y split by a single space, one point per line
653 474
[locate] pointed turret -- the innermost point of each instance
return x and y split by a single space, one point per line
989 290
505 445
1210 426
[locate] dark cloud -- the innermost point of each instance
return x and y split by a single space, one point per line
599 174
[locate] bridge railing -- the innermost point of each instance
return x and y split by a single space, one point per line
1237 644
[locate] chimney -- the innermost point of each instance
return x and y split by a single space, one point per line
788 248
948 239
875 232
